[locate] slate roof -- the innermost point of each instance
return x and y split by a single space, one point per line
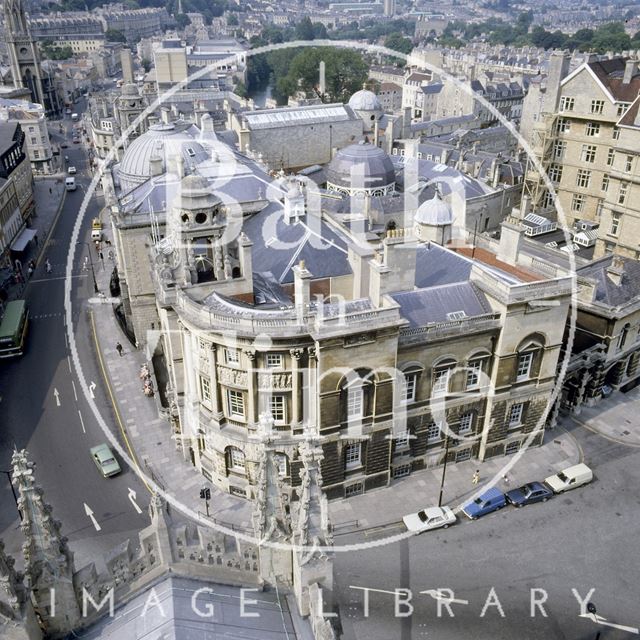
308 115
277 246
607 291
436 266
427 306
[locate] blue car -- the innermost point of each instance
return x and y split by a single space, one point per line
490 500
528 493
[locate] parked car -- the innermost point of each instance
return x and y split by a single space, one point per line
529 493
76 141
71 170
430 518
64 145
491 500
570 478
105 460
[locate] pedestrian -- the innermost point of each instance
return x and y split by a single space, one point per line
29 271
35 240
476 477
85 266
50 192
119 348
505 478
47 266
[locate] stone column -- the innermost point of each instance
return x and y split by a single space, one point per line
594 388
216 396
310 415
577 404
252 418
632 368
618 373
296 400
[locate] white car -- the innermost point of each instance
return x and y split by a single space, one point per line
71 171
430 518
570 478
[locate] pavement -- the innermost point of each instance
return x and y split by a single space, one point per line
615 417
49 197
149 436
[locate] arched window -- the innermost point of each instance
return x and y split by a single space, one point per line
529 356
235 460
441 376
409 384
357 394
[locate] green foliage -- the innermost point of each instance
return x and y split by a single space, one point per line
182 20
232 20
146 64
610 36
398 42
304 30
241 90
113 35
51 52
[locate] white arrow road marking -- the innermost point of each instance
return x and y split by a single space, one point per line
81 422
132 498
75 394
436 594
92 387
603 621
56 393
89 512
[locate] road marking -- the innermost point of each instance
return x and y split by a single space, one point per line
89 512
75 394
69 363
81 422
132 498
56 393
92 388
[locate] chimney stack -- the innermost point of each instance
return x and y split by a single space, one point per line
630 67
615 272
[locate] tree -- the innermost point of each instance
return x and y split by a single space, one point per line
182 20
232 20
304 30
113 35
319 31
146 64
51 51
397 42
345 73
241 90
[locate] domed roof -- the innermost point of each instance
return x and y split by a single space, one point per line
365 100
164 141
434 212
194 184
370 166
130 90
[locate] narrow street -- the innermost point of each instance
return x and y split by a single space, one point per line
42 407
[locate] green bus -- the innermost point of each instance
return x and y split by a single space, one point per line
13 329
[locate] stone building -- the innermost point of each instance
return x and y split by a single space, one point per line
80 31
136 583
32 119
576 137
319 307
296 137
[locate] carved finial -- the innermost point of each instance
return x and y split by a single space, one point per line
302 265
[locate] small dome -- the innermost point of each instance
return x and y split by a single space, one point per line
434 212
194 185
130 90
371 168
365 100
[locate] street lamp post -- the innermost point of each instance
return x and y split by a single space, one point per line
13 491
93 273
444 467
